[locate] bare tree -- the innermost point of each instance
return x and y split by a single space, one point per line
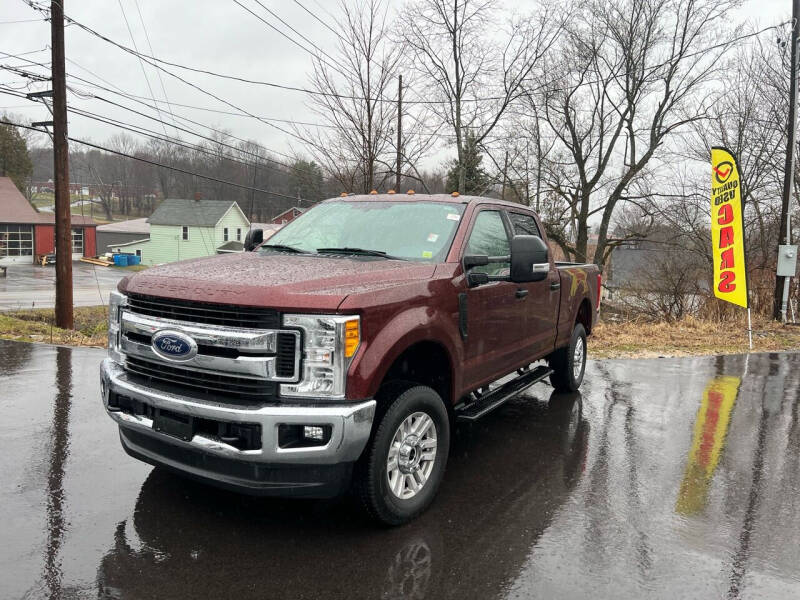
357 121
626 77
473 75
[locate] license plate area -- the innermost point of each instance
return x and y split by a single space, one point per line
174 424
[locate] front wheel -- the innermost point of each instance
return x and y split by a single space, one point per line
401 469
569 363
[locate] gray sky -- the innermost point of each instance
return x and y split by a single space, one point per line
216 35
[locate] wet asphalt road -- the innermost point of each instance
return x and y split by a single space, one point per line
670 478
32 286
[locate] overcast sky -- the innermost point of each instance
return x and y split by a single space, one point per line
217 35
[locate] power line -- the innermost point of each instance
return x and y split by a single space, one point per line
122 93
150 46
204 108
22 21
148 58
156 163
152 61
174 141
141 63
316 17
139 100
288 37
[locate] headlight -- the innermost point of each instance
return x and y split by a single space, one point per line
329 344
116 302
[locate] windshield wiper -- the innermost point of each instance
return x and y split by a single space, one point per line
284 247
360 251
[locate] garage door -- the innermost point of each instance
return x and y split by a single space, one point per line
77 243
16 244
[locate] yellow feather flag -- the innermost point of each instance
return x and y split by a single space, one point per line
727 229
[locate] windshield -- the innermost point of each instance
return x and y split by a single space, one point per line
418 231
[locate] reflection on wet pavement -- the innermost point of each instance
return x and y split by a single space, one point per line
673 478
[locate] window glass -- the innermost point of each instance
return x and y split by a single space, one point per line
418 231
225 234
238 234
77 241
185 232
524 224
489 238
16 240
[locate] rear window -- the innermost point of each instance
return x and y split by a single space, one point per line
524 224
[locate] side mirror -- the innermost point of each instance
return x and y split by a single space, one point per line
530 259
253 238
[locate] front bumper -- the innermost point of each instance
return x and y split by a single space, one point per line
270 470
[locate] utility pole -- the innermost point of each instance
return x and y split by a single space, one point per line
505 170
399 160
782 296
253 191
61 171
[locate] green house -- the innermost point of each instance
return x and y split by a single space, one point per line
182 229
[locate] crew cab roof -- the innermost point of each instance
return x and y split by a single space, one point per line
449 198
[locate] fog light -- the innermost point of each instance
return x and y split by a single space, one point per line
311 432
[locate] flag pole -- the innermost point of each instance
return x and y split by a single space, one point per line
749 328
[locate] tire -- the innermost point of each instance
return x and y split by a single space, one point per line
387 493
568 363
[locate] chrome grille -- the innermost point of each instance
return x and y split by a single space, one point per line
202 383
226 315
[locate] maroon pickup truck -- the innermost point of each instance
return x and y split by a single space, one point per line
342 351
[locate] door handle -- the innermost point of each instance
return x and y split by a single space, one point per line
521 293
554 285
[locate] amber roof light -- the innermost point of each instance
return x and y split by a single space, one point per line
343 195
410 192
390 192
373 192
455 194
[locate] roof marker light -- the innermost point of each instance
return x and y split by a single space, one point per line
455 194
410 192
390 192
373 192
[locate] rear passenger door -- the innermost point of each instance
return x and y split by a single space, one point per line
495 313
543 296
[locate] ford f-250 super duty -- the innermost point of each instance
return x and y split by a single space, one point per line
343 349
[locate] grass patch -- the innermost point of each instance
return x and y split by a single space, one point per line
631 339
38 325
689 337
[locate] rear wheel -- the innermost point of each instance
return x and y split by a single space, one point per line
401 469
569 363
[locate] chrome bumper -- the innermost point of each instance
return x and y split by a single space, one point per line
350 423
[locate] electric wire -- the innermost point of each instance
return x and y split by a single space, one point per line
141 63
155 163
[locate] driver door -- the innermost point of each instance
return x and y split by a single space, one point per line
496 312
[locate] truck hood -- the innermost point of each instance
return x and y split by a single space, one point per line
282 281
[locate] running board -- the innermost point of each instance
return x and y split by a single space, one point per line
497 397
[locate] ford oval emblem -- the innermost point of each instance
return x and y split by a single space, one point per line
174 345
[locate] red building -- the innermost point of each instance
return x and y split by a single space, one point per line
287 216
26 234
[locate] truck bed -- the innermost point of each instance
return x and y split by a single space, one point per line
579 282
